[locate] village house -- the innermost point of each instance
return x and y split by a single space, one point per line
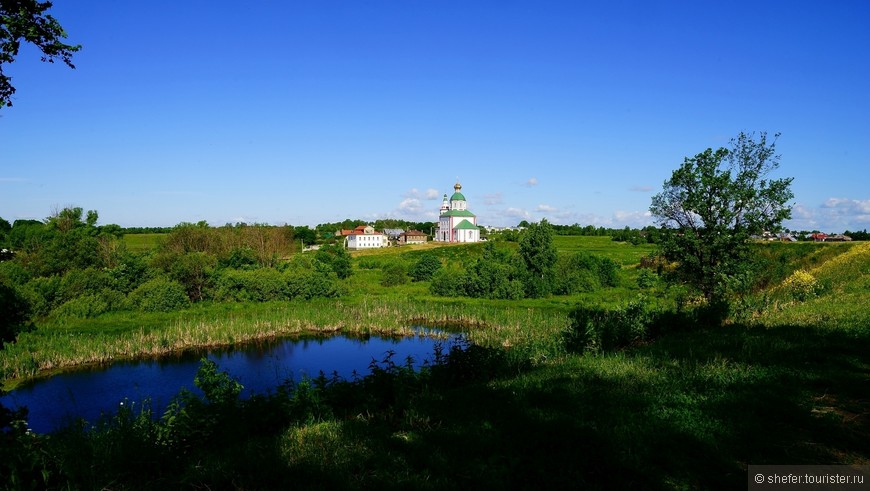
412 237
363 237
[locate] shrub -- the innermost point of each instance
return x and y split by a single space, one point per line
91 305
312 284
646 279
130 271
394 274
368 263
159 295
259 285
801 285
14 311
608 271
337 258
78 282
598 329
446 283
240 258
425 267
584 272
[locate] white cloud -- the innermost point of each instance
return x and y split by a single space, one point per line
641 189
532 182
429 194
545 208
633 219
410 205
516 213
493 199
834 215
843 206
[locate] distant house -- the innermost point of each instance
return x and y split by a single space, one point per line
412 237
364 237
819 237
838 238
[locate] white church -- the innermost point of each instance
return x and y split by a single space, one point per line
456 223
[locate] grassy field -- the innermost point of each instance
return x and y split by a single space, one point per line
142 242
690 409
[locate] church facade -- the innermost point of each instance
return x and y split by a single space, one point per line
455 222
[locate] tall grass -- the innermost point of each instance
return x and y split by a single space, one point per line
127 335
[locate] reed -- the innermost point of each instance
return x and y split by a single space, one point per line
135 335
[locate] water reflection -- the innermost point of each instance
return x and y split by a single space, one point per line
259 367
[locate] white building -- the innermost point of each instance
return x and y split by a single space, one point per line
365 237
456 223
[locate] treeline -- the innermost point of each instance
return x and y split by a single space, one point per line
326 230
645 235
535 270
68 266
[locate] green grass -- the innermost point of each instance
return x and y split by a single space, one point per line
143 242
621 252
689 410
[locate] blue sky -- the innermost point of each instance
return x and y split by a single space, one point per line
306 112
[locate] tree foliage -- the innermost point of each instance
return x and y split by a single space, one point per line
337 258
539 256
712 204
425 267
27 20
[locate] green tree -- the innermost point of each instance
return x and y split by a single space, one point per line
5 228
305 234
395 273
427 265
27 20
14 311
713 203
337 258
539 256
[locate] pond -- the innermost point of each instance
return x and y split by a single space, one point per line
260 368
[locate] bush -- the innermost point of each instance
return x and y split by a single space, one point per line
159 295
337 258
425 267
78 282
646 279
801 285
91 305
320 283
259 285
608 271
446 283
597 329
394 274
14 312
584 272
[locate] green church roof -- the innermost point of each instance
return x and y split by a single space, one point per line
458 213
457 196
465 225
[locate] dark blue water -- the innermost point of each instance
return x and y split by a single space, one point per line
260 368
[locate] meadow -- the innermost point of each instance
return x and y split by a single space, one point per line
785 381
142 242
